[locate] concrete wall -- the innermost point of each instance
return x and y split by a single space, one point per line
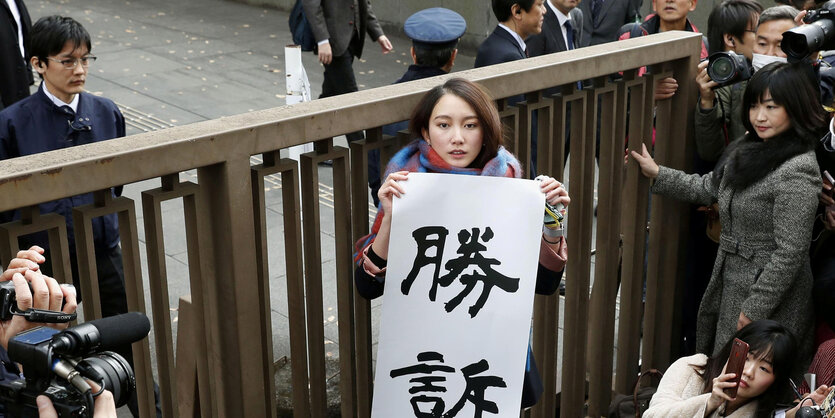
479 16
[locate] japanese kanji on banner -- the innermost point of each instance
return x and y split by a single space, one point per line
458 298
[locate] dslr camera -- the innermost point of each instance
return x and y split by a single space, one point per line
818 35
56 364
727 68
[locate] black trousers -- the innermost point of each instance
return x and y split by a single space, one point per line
339 79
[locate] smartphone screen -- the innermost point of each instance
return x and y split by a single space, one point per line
736 362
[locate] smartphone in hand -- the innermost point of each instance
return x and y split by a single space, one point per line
831 183
736 363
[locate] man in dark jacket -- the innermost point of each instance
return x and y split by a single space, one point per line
562 29
339 27
518 19
603 18
61 115
15 72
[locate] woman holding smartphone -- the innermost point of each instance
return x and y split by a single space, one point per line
766 185
696 386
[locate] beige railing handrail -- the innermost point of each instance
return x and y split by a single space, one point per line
228 312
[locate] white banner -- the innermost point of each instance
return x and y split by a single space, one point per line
458 297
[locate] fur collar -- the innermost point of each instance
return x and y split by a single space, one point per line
750 159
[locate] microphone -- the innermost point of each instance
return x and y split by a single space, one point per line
101 334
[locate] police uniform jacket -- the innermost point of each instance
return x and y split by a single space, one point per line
35 124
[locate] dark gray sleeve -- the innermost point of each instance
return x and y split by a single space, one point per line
710 127
693 188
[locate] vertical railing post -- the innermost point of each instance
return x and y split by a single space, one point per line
634 227
612 123
236 320
583 107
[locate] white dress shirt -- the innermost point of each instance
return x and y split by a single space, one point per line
16 15
562 19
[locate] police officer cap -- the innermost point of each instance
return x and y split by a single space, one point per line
436 27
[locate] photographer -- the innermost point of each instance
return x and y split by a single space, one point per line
716 120
46 294
731 27
24 271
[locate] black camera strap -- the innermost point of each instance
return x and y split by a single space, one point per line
45 316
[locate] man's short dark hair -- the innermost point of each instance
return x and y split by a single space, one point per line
433 56
49 35
732 17
501 8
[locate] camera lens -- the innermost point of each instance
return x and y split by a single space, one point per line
722 68
118 375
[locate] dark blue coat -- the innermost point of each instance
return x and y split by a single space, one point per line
499 47
35 124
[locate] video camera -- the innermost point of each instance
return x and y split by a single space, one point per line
56 364
8 308
818 35
729 67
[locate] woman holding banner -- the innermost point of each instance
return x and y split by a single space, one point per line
459 132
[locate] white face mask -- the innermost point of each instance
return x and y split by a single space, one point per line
761 60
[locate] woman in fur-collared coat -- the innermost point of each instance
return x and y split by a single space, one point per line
766 185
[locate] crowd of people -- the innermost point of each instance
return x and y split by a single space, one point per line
762 148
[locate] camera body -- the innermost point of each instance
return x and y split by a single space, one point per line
59 376
8 302
727 68
818 35
8 308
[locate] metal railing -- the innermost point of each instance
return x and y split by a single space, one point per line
224 362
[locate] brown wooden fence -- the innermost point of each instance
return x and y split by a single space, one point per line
224 362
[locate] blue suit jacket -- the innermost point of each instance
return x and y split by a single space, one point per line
499 47
35 124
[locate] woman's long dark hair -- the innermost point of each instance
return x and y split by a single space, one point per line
766 339
793 86
479 99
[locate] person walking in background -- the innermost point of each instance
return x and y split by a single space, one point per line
15 71
339 27
603 19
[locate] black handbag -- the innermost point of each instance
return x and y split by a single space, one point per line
300 28
634 405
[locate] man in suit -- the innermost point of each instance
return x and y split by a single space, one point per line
518 19
603 18
15 71
339 27
561 29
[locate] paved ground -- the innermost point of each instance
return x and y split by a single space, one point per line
168 63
